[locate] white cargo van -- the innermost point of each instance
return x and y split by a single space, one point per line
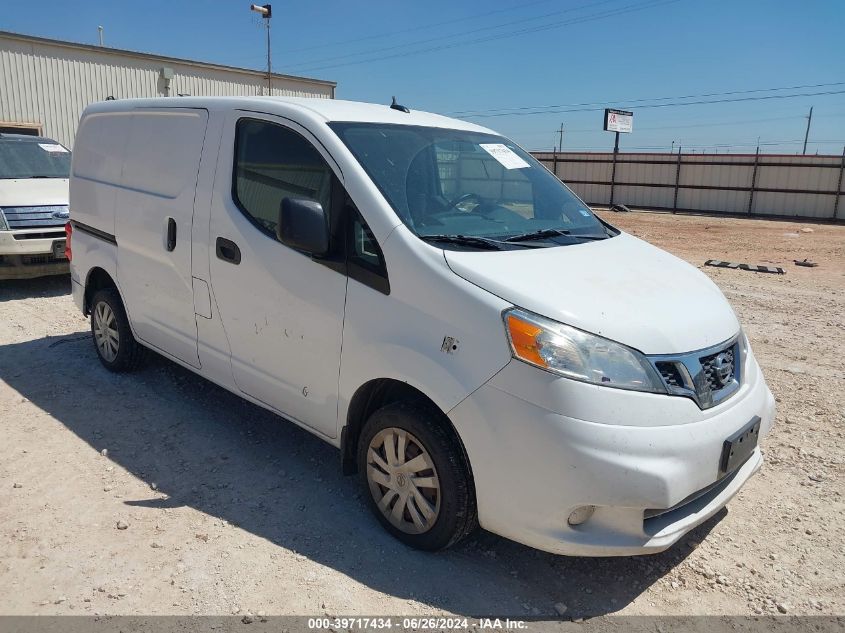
33 206
421 293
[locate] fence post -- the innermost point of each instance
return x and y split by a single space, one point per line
753 182
839 185
613 176
677 181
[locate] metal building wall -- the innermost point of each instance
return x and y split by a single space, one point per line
770 185
48 83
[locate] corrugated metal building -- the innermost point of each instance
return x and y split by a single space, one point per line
45 84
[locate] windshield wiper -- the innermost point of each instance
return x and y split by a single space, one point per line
466 240
546 233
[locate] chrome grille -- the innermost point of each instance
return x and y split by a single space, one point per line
707 376
711 365
671 374
35 217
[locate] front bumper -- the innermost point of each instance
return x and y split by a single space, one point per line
25 257
534 461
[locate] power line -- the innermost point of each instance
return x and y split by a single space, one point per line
668 105
727 123
554 25
413 29
685 126
450 36
707 145
593 130
552 108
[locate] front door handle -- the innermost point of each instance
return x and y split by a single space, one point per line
228 251
171 234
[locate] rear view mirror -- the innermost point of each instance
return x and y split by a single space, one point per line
302 225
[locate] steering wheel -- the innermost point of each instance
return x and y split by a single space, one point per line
467 196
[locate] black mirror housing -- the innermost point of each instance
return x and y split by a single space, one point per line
303 226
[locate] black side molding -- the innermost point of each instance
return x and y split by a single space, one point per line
90 230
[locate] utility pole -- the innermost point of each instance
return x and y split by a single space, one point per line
561 137
807 133
266 12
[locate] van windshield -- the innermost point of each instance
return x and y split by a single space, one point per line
40 158
454 183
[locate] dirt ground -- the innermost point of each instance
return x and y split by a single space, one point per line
227 509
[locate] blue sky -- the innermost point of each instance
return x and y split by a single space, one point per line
619 53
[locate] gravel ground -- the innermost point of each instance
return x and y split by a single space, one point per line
160 493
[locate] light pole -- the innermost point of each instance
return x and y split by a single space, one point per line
266 12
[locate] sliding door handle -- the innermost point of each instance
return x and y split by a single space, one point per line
171 234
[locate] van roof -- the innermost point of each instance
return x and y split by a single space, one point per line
318 109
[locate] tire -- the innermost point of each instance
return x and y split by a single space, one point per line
120 352
446 488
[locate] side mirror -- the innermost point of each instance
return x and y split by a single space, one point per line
303 226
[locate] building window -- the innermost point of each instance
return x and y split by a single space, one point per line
30 129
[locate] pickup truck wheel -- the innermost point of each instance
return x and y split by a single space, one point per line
117 349
417 480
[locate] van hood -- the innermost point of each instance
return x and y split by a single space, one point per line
621 288
33 192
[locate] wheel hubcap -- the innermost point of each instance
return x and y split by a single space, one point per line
403 480
105 331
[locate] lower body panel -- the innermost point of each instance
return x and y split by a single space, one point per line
23 256
649 485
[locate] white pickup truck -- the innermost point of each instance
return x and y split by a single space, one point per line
33 206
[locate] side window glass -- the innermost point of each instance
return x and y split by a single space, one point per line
365 258
365 247
272 163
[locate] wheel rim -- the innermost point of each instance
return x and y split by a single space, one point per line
105 331
403 480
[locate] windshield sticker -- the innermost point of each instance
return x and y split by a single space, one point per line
505 155
53 148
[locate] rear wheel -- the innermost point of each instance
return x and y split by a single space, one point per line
417 480
117 349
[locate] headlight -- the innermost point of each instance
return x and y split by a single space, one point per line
743 341
576 354
3 225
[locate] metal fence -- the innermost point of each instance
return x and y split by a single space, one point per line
741 184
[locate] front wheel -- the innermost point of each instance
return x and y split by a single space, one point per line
116 348
417 479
